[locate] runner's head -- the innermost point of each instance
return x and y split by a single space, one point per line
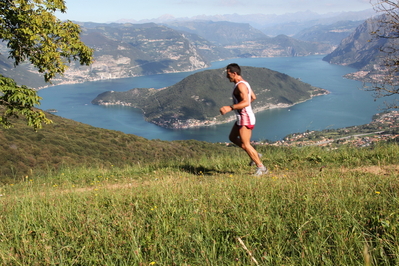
234 68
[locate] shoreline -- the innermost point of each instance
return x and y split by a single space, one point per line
231 118
194 123
80 79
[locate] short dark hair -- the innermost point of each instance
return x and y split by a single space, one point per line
234 68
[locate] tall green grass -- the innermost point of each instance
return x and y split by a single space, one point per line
315 207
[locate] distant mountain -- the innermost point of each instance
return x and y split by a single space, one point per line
243 40
270 24
129 50
332 34
279 46
360 50
220 33
295 23
195 101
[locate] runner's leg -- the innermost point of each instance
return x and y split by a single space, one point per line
234 135
241 136
245 136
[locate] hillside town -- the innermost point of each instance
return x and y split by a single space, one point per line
384 127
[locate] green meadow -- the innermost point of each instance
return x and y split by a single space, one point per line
317 206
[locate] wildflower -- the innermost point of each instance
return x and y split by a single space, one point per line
377 192
152 263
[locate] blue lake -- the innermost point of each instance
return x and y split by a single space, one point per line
347 105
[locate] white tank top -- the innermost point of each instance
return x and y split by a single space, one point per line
245 116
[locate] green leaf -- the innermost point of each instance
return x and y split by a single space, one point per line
32 32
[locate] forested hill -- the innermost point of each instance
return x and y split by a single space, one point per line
196 100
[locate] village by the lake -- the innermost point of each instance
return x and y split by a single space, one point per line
383 127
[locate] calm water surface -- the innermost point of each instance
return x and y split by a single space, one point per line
347 105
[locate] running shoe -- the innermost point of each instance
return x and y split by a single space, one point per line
261 171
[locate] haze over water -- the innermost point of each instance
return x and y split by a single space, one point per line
347 105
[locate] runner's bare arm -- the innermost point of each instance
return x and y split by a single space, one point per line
253 96
243 95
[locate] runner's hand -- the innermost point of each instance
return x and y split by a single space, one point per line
225 110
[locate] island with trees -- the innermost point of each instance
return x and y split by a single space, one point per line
195 101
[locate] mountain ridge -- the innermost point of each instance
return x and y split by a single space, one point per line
130 50
270 24
362 51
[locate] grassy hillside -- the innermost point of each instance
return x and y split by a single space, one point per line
316 207
72 194
69 143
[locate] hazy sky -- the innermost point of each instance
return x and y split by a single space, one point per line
113 10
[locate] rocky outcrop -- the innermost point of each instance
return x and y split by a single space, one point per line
361 50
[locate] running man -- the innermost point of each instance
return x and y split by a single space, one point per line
242 130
